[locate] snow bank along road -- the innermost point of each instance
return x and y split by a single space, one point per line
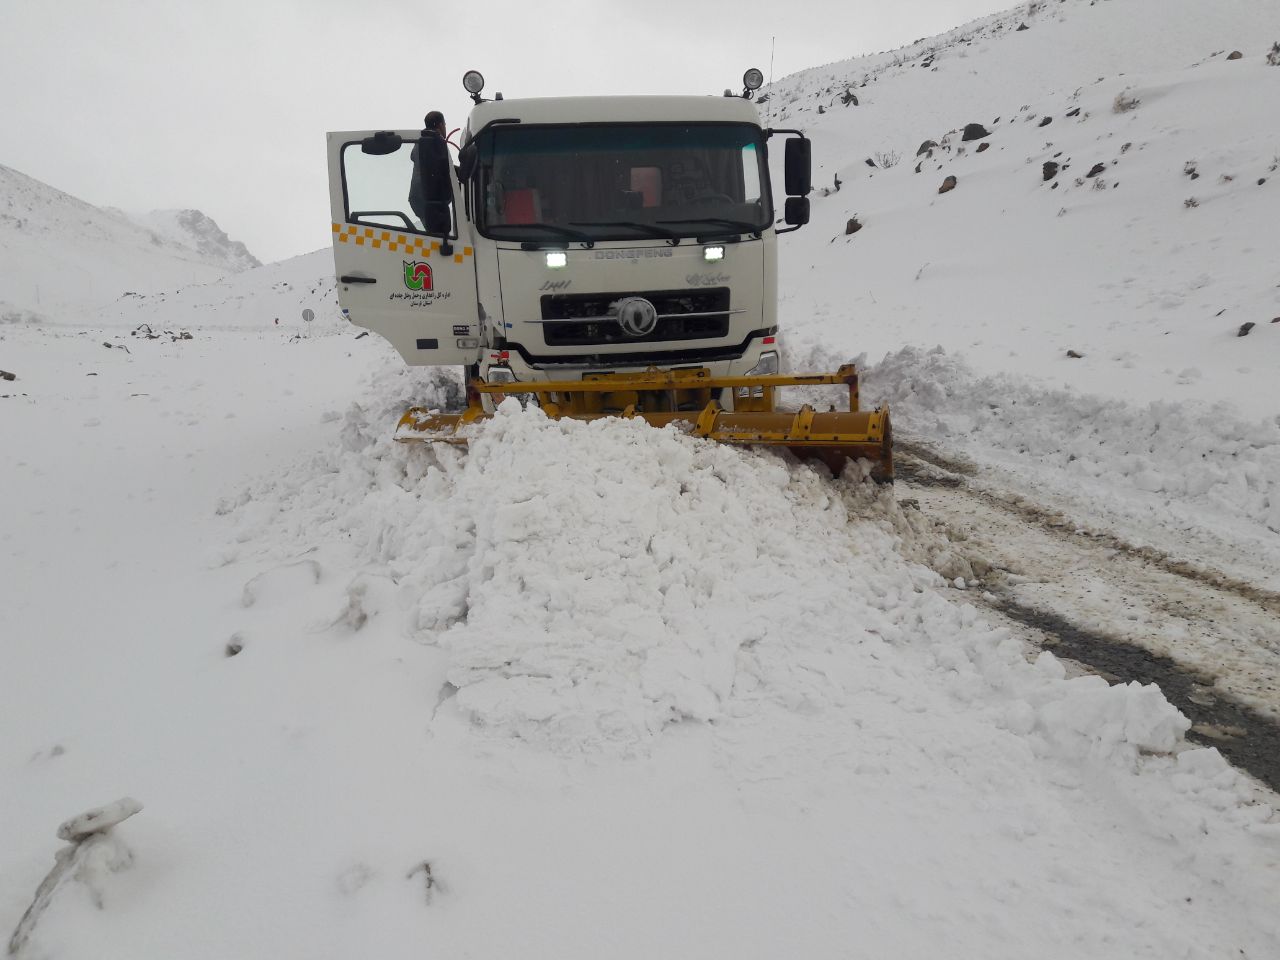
581 690
1140 542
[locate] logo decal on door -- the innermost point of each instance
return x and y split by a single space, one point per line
417 275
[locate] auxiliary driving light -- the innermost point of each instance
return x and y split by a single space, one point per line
500 375
473 83
557 259
767 365
712 253
752 79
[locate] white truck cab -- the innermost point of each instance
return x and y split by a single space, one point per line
589 235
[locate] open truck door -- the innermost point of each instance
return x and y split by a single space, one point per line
415 288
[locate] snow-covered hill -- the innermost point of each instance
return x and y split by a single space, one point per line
1116 206
193 229
64 258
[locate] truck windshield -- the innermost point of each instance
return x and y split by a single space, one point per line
622 181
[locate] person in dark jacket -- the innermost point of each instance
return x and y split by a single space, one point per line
430 192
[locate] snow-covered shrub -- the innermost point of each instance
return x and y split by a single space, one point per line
1124 103
1273 58
887 158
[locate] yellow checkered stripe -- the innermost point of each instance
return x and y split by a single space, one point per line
404 244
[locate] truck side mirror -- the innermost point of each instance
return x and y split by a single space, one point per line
798 168
381 144
797 212
467 157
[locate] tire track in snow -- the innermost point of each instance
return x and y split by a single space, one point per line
1211 642
954 471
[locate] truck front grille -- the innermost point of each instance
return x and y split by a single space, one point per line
709 320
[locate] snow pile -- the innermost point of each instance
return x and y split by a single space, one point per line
608 587
622 578
1194 458
593 583
1105 720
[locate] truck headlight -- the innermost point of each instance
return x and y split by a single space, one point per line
767 365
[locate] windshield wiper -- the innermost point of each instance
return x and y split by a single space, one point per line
577 235
649 228
740 225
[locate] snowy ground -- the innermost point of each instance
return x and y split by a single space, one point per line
608 691
766 729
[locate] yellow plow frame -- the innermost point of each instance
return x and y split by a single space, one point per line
660 397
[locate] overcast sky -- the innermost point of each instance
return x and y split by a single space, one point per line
222 105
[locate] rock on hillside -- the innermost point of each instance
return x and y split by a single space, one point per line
196 230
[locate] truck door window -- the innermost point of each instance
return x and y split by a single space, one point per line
378 187
750 174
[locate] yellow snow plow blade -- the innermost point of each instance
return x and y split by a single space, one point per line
661 397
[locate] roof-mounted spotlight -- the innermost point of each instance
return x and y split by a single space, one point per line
473 83
751 82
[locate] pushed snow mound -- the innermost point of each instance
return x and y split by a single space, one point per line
1195 457
1194 480
620 578
593 583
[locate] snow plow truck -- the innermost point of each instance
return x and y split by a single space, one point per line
604 256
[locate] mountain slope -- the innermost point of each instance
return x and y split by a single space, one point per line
193 229
1141 252
64 258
